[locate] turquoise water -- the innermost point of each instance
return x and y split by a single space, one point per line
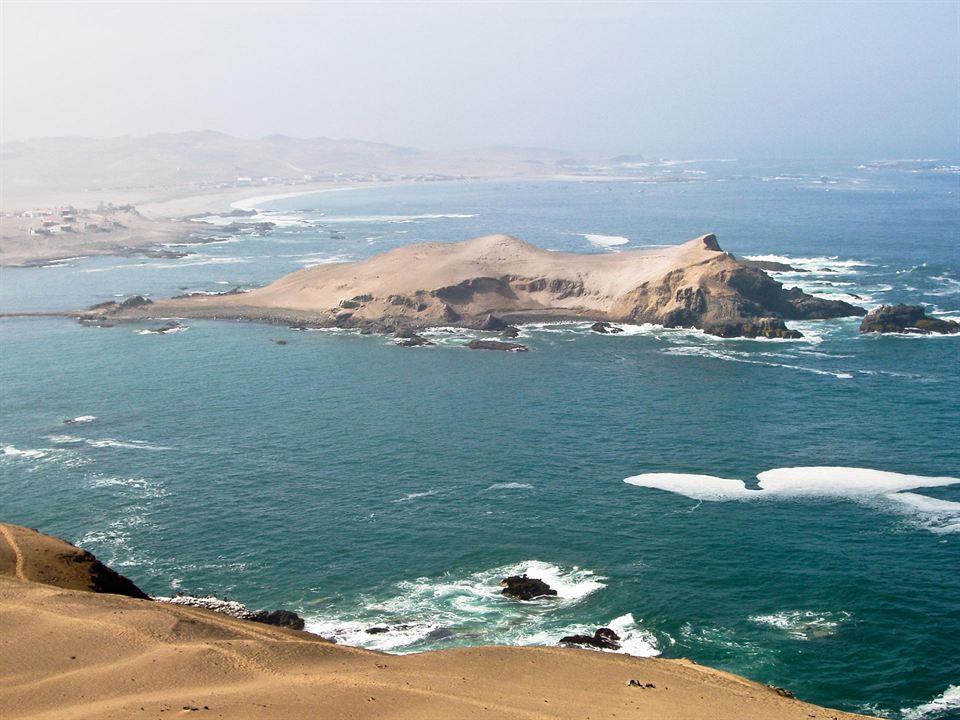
362 484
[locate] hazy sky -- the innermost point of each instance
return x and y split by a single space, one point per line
766 79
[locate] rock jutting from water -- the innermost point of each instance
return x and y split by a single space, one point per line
911 319
494 282
603 639
522 587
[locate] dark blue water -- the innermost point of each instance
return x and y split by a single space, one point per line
362 484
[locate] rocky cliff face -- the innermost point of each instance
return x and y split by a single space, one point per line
695 285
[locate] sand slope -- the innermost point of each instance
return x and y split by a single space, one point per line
70 653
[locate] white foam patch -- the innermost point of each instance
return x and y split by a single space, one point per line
605 241
81 419
831 263
804 624
510 486
64 439
874 487
31 454
743 357
413 496
125 444
947 701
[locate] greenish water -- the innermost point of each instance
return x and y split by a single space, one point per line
363 484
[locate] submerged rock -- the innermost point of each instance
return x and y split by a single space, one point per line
603 638
163 329
496 345
522 587
605 328
911 319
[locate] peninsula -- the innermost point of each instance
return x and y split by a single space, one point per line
81 641
693 285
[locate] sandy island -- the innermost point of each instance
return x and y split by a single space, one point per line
70 651
490 281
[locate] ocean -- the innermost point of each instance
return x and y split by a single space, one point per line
365 485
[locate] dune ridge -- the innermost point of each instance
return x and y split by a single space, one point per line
73 652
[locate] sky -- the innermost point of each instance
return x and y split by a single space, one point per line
764 79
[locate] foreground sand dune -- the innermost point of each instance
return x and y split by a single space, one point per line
72 653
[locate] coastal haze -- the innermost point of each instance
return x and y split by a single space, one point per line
553 360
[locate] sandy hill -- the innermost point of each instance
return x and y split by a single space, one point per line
71 653
32 168
695 284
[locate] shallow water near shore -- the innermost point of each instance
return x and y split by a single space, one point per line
365 485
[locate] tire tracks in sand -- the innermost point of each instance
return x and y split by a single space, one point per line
17 552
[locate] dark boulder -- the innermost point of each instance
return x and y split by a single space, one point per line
522 587
493 324
604 639
911 319
605 328
510 332
280 618
496 345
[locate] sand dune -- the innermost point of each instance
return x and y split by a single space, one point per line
72 653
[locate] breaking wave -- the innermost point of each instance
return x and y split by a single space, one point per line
939 707
471 610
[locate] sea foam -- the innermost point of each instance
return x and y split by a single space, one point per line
948 700
875 487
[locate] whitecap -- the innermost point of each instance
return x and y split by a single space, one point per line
510 486
125 444
80 419
64 439
813 265
947 701
413 496
32 454
803 624
742 357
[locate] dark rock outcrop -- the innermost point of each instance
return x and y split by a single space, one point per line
522 587
280 618
603 639
132 302
771 266
406 337
605 328
105 580
764 327
496 345
912 319
510 332
494 324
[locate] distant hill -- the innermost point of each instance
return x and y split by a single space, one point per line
169 160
